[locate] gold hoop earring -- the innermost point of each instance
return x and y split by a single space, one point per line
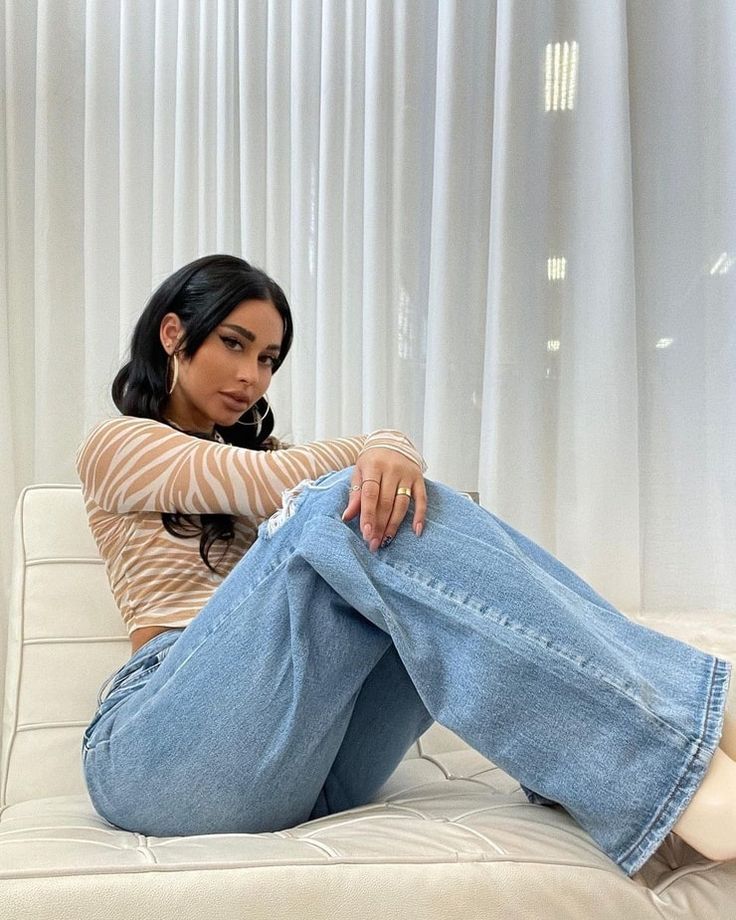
259 417
170 389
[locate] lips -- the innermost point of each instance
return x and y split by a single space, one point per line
234 402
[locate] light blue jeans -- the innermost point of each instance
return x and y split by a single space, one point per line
300 685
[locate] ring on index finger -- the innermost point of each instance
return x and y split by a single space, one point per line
359 487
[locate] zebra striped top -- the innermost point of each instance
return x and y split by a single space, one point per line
132 469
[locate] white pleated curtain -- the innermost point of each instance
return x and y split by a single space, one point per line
508 229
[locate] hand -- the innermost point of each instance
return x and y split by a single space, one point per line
381 508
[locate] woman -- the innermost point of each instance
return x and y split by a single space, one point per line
285 656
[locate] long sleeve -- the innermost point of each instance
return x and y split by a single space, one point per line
128 464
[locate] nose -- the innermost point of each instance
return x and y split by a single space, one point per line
248 370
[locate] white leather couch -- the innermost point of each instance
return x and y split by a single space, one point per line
450 835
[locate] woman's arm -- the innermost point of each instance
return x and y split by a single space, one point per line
129 464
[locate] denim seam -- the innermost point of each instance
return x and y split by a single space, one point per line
662 816
518 555
651 838
537 639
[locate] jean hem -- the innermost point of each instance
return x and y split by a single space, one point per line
634 857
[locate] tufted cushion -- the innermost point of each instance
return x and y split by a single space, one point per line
449 834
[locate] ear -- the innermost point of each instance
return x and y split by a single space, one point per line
170 332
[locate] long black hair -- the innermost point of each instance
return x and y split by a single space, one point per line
201 293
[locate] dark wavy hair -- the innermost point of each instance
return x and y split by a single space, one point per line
201 294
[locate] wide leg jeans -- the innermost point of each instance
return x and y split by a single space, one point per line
300 685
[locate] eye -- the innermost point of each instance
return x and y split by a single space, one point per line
228 339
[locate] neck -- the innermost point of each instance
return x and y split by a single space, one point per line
177 425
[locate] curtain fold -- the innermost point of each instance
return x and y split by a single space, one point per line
560 397
508 229
458 242
105 135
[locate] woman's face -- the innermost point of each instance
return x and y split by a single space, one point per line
236 358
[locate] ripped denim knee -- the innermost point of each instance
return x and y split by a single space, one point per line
292 498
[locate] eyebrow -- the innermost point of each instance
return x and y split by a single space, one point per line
247 334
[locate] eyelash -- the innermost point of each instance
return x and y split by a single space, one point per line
227 339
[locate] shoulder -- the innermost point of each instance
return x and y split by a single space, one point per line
126 423
123 424
118 429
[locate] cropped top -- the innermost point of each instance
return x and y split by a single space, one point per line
132 469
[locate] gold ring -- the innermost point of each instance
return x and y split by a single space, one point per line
403 491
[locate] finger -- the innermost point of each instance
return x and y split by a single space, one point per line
385 508
369 492
353 505
401 506
419 491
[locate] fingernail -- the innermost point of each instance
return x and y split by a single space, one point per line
343 514
374 545
386 541
420 528
367 531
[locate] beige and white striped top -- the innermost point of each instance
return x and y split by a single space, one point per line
132 469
